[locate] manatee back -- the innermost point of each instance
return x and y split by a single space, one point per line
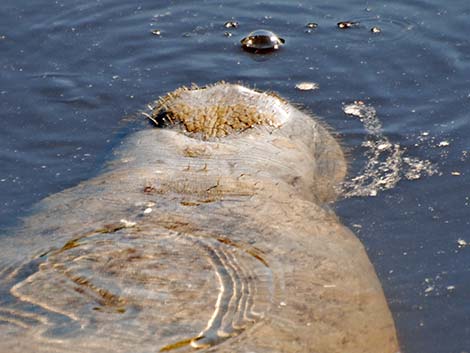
197 240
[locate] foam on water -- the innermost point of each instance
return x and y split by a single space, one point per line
386 162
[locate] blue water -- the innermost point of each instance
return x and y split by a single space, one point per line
73 75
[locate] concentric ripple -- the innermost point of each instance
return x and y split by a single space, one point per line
128 285
392 28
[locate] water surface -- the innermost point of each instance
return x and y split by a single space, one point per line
73 74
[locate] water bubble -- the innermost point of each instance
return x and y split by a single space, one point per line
347 24
231 24
262 41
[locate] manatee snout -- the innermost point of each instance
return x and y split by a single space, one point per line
262 132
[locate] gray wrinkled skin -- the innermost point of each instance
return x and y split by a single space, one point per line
225 244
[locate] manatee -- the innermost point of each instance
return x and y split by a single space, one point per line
212 232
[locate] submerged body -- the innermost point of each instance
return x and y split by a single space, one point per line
211 234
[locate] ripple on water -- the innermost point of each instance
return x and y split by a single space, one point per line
392 29
127 283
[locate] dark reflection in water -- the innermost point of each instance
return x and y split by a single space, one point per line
71 71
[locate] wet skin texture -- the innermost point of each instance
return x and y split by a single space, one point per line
211 233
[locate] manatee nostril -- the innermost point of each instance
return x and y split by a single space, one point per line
160 118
